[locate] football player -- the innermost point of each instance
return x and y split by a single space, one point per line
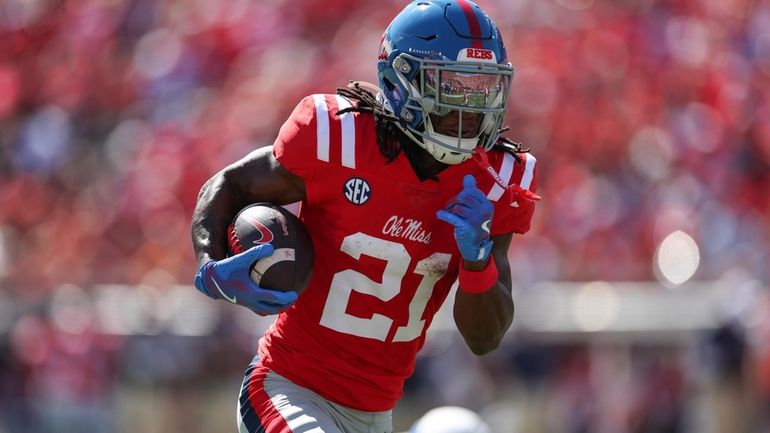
405 188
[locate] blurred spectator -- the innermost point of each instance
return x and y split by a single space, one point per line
649 117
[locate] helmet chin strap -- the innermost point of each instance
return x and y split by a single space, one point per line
449 141
441 148
445 145
446 148
438 151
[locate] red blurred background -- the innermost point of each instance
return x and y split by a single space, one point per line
642 289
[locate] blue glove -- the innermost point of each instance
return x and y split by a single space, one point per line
229 279
471 214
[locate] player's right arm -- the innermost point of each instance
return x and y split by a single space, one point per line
255 178
275 174
258 177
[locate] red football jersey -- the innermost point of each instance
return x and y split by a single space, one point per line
383 262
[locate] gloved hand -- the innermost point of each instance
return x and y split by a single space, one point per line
471 214
229 279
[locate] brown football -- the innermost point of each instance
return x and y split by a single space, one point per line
291 265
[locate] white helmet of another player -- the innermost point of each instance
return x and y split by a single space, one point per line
450 419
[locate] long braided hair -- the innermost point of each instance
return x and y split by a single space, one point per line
389 136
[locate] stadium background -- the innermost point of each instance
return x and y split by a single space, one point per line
642 295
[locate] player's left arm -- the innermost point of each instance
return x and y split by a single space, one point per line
483 318
483 308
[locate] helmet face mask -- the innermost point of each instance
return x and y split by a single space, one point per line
449 91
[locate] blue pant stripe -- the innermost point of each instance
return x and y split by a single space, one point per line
250 419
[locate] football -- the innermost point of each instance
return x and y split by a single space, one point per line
291 265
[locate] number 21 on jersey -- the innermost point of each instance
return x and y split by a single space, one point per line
397 261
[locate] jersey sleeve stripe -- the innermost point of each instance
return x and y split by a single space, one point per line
348 133
506 170
529 170
322 123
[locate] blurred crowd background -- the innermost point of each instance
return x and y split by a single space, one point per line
650 120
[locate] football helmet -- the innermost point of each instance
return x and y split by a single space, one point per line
444 72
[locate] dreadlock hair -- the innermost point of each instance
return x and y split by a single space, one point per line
507 145
389 136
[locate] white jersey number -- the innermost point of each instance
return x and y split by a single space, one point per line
397 261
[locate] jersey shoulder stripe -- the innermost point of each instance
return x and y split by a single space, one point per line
513 172
505 171
529 170
348 140
335 135
322 127
527 174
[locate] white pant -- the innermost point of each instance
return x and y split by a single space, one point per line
270 403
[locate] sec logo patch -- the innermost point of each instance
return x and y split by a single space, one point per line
357 190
